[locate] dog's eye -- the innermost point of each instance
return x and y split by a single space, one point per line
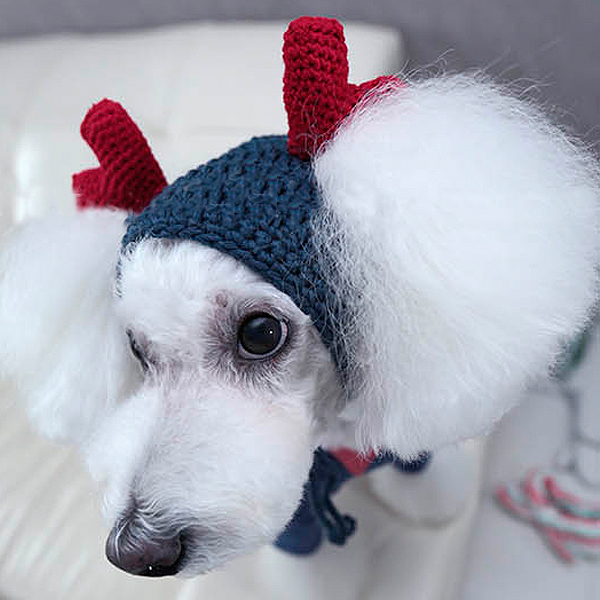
137 350
261 336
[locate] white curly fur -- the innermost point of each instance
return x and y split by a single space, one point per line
469 233
195 444
62 344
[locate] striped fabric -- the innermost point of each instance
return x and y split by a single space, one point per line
569 522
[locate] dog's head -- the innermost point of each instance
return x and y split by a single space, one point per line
449 252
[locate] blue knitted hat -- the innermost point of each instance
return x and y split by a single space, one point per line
254 203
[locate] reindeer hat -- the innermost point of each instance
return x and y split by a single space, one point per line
254 203
441 234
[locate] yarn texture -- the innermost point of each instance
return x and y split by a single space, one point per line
128 176
255 204
316 92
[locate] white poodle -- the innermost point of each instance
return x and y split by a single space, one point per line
459 230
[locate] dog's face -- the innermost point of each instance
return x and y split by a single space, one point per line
199 392
216 442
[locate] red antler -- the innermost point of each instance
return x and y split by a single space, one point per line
128 176
316 92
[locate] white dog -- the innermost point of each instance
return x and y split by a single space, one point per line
464 229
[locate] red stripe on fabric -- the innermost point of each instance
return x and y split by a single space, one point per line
355 462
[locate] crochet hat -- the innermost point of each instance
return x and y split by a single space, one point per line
254 203
443 241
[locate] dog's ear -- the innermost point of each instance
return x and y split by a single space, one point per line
62 349
465 230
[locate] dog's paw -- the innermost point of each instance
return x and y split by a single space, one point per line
437 494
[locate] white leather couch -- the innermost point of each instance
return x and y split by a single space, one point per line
195 90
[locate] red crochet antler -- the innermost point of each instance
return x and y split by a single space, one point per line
128 176
316 92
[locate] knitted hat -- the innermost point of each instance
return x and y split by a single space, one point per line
446 218
254 203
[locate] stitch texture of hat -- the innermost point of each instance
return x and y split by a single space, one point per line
254 203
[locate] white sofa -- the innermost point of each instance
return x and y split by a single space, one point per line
195 91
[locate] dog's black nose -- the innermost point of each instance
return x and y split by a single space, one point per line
134 550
